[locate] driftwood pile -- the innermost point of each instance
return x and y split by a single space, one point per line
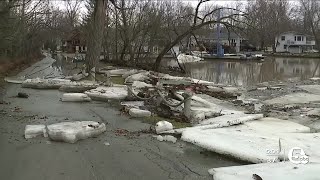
172 97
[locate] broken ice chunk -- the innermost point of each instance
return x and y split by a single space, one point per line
32 131
162 126
71 132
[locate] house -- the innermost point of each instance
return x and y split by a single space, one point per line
158 44
59 44
294 42
74 42
232 40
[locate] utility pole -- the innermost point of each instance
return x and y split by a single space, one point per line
219 46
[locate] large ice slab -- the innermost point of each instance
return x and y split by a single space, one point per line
77 87
15 80
268 171
221 121
120 72
232 118
273 125
75 97
71 132
295 98
106 93
203 105
314 89
38 83
250 142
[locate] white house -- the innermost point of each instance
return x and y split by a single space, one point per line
294 42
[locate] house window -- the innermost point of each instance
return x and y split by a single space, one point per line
283 38
281 70
295 38
299 38
285 47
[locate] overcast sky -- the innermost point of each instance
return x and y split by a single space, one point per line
194 3
219 2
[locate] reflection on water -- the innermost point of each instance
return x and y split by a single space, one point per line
58 64
244 73
66 67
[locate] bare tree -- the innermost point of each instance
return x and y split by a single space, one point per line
96 33
22 25
72 11
199 21
267 19
310 11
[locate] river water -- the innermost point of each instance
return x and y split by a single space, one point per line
236 73
246 73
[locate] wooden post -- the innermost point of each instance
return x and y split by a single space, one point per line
187 105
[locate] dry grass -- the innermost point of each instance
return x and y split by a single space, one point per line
11 66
